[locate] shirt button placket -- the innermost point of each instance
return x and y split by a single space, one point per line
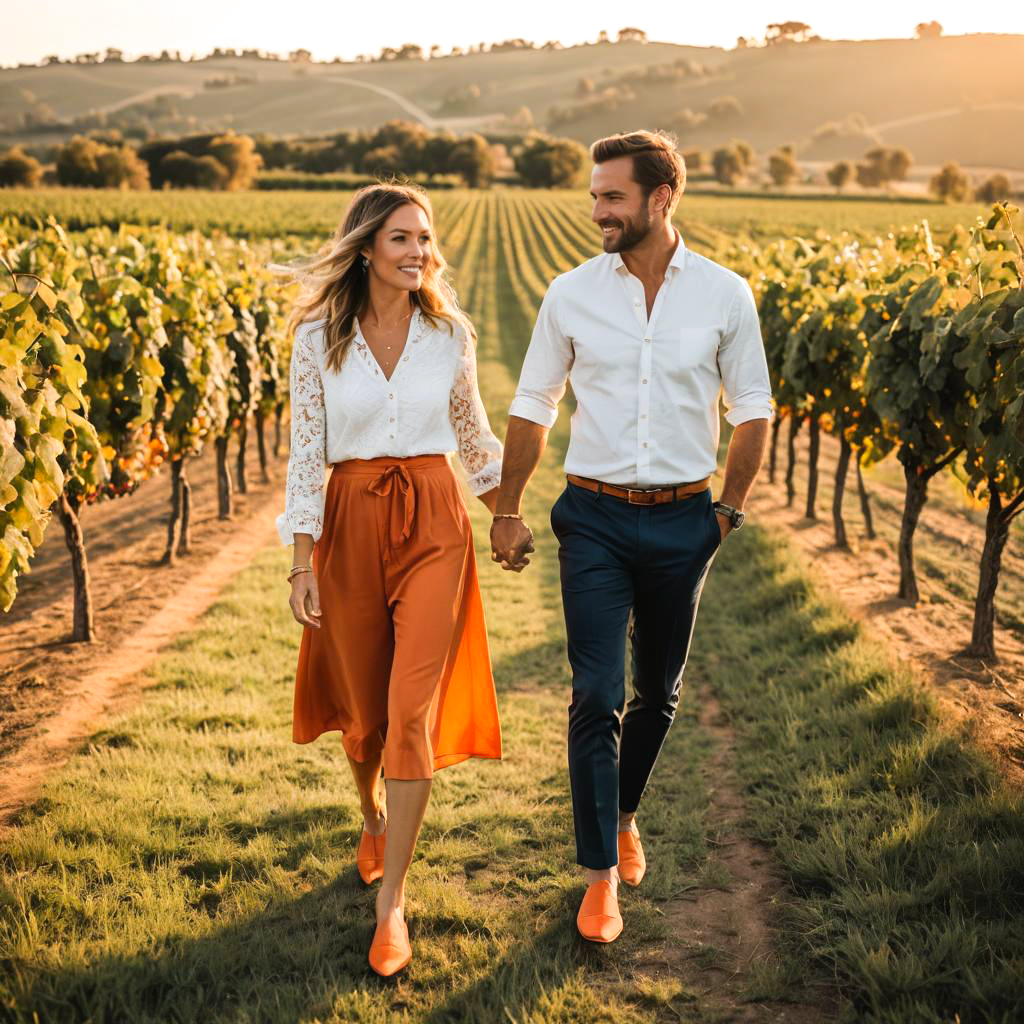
393 411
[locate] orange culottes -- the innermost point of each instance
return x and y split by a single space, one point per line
400 663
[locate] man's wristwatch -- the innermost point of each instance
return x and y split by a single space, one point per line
734 515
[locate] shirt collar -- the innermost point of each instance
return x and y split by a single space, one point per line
677 260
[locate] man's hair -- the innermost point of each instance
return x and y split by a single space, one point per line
656 160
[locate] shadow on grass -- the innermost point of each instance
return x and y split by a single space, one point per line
297 959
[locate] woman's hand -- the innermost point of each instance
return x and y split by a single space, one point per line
305 600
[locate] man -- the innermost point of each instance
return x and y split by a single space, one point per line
649 334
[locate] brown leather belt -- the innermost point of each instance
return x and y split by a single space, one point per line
654 496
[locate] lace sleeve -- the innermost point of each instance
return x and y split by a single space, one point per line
307 459
479 450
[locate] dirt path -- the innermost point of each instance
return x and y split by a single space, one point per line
930 637
720 936
54 693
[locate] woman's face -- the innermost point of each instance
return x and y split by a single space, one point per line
401 248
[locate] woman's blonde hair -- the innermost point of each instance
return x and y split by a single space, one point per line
335 282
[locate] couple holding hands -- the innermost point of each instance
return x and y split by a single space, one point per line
394 651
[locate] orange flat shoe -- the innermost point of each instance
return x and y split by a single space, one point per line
599 919
390 950
632 862
370 856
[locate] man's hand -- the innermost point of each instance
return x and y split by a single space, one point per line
511 542
724 524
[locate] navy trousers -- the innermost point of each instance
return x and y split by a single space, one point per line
615 560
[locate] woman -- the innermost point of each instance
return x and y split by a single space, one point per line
394 653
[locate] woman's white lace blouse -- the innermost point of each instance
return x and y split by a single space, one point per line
430 406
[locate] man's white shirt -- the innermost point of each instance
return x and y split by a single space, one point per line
647 390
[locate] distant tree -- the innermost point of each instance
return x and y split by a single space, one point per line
522 118
52 59
928 30
787 32
94 164
745 152
383 160
602 37
408 139
300 56
436 151
632 35
435 51
993 190
552 44
725 108
951 183
409 51
471 159
891 163
741 43
782 166
839 174
727 165
694 160
18 169
179 169
113 56
544 162
883 164
237 153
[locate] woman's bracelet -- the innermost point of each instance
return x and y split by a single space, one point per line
296 569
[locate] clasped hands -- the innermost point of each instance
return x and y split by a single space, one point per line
511 542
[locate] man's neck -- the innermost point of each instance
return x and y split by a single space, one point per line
650 259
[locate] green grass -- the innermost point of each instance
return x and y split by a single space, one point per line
903 847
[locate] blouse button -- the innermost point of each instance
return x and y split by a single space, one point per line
392 420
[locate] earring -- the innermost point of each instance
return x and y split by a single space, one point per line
366 262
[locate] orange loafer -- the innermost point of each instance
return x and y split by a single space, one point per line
599 919
370 856
390 950
632 862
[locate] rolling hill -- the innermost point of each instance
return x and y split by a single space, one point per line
957 97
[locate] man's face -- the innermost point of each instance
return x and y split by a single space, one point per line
620 209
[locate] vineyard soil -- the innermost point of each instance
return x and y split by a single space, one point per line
45 699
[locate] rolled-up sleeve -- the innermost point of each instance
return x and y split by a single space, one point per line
546 366
746 386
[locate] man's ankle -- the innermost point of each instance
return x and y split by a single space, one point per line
626 821
593 875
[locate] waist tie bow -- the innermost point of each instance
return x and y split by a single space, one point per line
396 480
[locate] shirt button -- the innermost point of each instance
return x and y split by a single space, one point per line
643 415
647 339
391 396
645 444
644 381
392 420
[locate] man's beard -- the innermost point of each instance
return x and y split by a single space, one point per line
632 232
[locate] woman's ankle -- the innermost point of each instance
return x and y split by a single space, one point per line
374 820
389 902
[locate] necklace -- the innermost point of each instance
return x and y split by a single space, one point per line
379 326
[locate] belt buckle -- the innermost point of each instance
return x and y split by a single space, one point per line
630 491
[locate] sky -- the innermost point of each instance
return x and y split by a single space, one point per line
345 29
